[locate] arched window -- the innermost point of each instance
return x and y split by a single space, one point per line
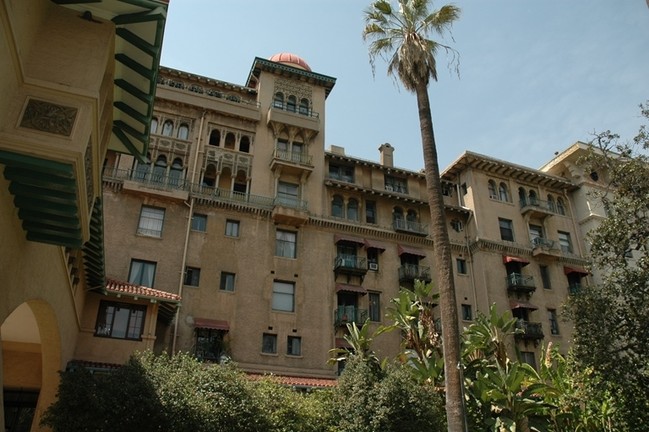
209 176
411 220
215 138
159 169
154 125
522 196
291 103
278 101
229 141
533 198
167 128
142 169
352 209
183 132
176 172
551 205
503 192
337 207
561 208
492 189
240 183
457 225
397 218
304 106
244 144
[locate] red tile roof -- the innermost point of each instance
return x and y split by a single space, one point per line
137 291
295 381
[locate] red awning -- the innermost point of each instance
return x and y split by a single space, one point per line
206 323
373 244
342 343
580 271
522 305
509 259
348 239
410 250
351 288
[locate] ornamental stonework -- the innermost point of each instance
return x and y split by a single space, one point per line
49 117
299 90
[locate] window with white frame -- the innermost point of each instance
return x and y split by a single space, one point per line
283 296
232 228
285 242
120 320
151 220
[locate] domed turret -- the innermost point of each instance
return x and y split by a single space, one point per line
291 60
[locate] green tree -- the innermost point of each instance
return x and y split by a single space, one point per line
401 36
612 317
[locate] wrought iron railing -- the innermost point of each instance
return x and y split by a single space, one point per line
349 314
350 262
410 272
530 330
518 282
300 158
400 224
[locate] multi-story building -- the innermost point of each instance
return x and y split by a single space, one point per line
75 80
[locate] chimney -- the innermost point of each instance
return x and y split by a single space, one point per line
387 159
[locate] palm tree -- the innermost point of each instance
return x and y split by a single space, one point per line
400 36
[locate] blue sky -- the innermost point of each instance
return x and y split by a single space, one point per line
535 75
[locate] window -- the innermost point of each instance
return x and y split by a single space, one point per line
183 132
142 273
232 228
492 189
176 173
269 343
565 242
337 207
457 225
341 172
536 232
370 212
545 276
278 101
554 323
285 244
287 193
304 106
551 205
461 266
467 313
167 128
503 192
192 276
284 296
159 170
244 144
209 344
215 138
394 184
506 229
154 125
229 141
199 222
120 320
373 259
151 219
561 207
374 306
352 210
227 281
447 189
291 103
528 357
294 346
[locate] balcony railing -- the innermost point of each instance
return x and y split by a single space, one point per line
350 264
543 243
403 225
516 282
410 272
349 314
299 158
229 196
147 178
531 330
538 206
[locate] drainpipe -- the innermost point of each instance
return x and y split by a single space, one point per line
187 231
574 223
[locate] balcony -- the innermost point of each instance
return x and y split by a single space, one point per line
531 331
171 186
410 272
209 193
520 284
350 265
537 208
308 122
344 315
291 162
290 211
410 227
545 247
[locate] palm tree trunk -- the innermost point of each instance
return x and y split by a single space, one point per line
443 268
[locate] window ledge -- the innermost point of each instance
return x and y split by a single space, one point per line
269 354
148 236
294 356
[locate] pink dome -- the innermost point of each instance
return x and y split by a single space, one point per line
291 59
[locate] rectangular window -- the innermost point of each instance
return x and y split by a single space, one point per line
373 259
288 193
506 229
294 346
227 281
536 232
151 219
554 322
370 212
341 172
545 276
528 357
374 300
142 273
232 228
285 244
120 320
395 184
467 313
199 222
283 296
209 344
269 343
461 266
192 276
565 242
